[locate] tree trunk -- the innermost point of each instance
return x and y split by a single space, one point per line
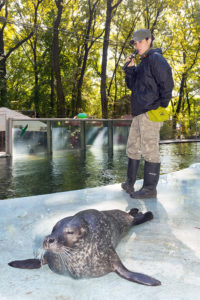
180 99
87 48
36 85
52 95
83 69
55 51
74 110
181 94
3 86
36 94
104 99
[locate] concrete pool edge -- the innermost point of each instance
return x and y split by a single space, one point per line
166 248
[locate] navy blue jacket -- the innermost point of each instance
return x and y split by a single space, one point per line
151 82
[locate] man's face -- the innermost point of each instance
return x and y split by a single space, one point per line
142 46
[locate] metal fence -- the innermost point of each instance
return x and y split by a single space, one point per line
52 135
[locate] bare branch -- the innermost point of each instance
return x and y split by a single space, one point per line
116 5
18 45
89 4
195 58
157 16
2 3
93 41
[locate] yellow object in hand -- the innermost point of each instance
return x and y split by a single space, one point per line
158 115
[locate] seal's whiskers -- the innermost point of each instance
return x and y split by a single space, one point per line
42 257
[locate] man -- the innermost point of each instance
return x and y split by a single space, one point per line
151 84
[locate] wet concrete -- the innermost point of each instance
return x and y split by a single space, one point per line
166 248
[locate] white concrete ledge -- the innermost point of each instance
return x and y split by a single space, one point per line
166 248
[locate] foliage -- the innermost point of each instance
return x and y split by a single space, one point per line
30 78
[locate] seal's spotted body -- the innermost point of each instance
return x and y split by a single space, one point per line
94 252
84 245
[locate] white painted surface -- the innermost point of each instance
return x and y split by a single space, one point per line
166 248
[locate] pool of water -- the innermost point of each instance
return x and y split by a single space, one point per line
36 175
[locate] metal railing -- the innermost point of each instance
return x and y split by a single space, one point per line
56 134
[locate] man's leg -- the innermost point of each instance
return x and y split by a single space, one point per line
134 153
150 137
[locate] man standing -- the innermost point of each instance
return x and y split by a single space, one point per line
151 84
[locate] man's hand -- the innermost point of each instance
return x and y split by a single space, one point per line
132 61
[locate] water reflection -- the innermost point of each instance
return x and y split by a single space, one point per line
6 180
35 175
178 156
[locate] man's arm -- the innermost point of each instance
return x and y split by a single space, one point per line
162 73
130 77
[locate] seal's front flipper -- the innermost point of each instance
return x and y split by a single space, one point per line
135 277
26 264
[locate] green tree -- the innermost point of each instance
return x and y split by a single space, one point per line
88 38
186 58
61 57
4 55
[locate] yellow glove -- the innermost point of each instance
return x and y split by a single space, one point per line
158 115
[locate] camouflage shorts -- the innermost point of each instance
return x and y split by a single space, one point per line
143 140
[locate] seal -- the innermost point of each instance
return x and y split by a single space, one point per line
83 245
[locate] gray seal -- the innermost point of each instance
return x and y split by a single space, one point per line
83 245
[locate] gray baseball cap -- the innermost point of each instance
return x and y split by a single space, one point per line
140 35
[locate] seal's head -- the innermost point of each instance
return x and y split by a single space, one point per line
65 234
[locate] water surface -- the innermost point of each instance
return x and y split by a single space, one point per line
36 175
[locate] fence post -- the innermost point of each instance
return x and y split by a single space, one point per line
9 137
110 134
82 133
196 124
49 137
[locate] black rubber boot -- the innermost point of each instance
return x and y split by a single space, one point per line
151 177
133 166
